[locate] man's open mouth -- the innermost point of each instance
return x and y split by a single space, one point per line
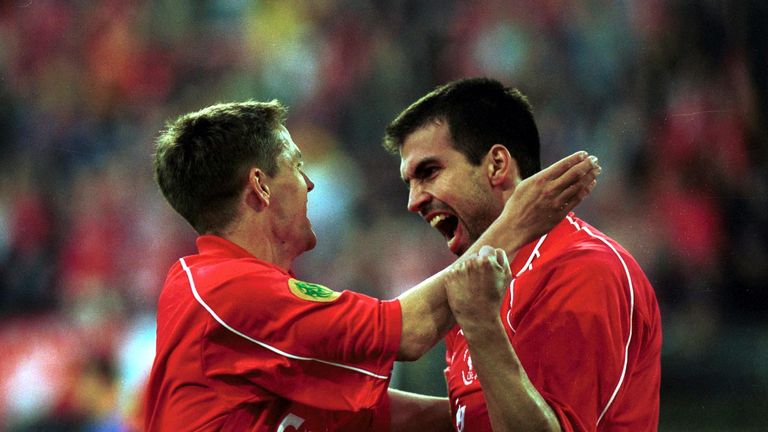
445 223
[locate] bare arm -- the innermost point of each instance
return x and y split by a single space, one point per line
426 317
412 412
538 204
513 402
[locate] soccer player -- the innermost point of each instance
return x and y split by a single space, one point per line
575 342
242 344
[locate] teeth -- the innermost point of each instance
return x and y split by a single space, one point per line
437 219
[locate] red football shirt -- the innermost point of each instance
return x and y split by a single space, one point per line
242 346
585 324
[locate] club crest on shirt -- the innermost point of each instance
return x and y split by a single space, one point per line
292 422
312 291
468 375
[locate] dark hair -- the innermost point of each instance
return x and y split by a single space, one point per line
480 112
202 159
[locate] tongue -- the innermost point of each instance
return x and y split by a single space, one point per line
455 242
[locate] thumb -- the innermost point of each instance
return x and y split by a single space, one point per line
486 251
501 257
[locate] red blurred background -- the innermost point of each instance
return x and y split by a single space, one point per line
671 95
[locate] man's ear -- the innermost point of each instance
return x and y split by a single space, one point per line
502 167
257 193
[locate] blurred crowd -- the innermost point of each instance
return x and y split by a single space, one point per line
672 96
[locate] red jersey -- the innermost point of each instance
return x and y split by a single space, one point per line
242 346
585 324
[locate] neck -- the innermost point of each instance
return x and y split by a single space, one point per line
259 241
509 190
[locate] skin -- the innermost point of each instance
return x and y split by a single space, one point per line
272 225
291 186
513 402
442 181
536 204
432 168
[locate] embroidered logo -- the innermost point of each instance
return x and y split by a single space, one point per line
460 409
469 375
311 291
290 421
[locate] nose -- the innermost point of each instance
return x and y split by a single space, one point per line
417 197
310 185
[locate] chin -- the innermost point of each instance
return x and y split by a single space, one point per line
462 248
311 242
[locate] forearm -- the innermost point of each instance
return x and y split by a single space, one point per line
535 206
426 313
513 402
426 317
539 202
418 413
503 233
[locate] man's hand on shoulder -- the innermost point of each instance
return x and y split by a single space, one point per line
543 199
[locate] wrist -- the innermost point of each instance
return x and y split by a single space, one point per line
509 238
482 331
490 341
517 238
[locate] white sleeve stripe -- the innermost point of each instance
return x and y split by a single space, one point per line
631 312
534 253
262 344
511 302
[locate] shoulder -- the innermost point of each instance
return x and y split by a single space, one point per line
577 261
593 258
224 284
250 273
591 264
587 249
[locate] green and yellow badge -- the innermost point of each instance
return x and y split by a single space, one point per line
311 291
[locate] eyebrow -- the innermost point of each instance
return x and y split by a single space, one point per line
297 153
418 171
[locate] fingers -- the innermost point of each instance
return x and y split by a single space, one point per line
576 184
576 173
571 179
496 257
558 168
580 188
501 257
486 251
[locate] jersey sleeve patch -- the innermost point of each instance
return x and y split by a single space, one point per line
311 291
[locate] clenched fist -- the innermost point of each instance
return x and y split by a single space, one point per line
475 286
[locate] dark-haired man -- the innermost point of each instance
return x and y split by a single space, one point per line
244 345
575 343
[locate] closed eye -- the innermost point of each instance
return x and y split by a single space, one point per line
425 170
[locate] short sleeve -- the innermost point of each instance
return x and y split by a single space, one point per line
301 341
573 345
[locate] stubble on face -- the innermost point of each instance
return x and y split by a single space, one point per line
476 210
295 226
458 188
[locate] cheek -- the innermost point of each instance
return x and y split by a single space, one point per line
462 190
450 188
478 205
